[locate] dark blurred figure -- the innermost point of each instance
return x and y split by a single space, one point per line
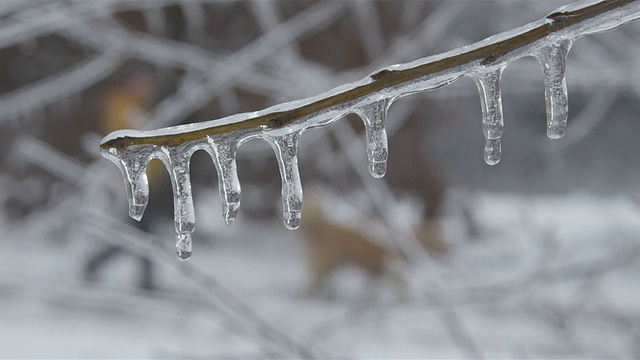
126 106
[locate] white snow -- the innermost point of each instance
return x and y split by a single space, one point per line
549 276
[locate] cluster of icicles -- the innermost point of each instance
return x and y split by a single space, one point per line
132 160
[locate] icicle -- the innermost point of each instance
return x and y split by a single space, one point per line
223 153
132 163
177 162
553 58
286 147
492 123
374 116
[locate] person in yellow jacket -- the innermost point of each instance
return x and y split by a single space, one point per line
126 106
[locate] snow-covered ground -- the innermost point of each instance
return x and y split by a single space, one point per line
545 276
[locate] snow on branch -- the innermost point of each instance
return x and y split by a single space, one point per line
548 40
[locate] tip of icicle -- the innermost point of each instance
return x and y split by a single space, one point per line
136 212
229 212
492 151
378 169
555 133
492 161
183 256
292 219
183 247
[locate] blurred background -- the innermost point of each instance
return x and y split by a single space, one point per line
444 257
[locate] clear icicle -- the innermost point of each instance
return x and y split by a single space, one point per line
553 58
374 116
223 153
177 162
492 122
133 166
286 148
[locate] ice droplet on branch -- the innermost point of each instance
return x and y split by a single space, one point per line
286 148
223 152
553 59
133 166
374 116
492 122
177 159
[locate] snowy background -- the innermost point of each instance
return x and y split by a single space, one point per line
544 248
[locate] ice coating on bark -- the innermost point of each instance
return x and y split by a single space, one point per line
374 116
133 166
553 58
492 122
177 159
575 5
286 148
223 152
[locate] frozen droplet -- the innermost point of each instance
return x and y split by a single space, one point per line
177 161
183 246
136 211
286 148
292 218
492 122
132 163
230 211
553 59
223 152
492 151
374 117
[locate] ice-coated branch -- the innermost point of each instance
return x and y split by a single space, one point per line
548 40
497 50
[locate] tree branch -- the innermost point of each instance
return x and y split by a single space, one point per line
429 73
548 40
